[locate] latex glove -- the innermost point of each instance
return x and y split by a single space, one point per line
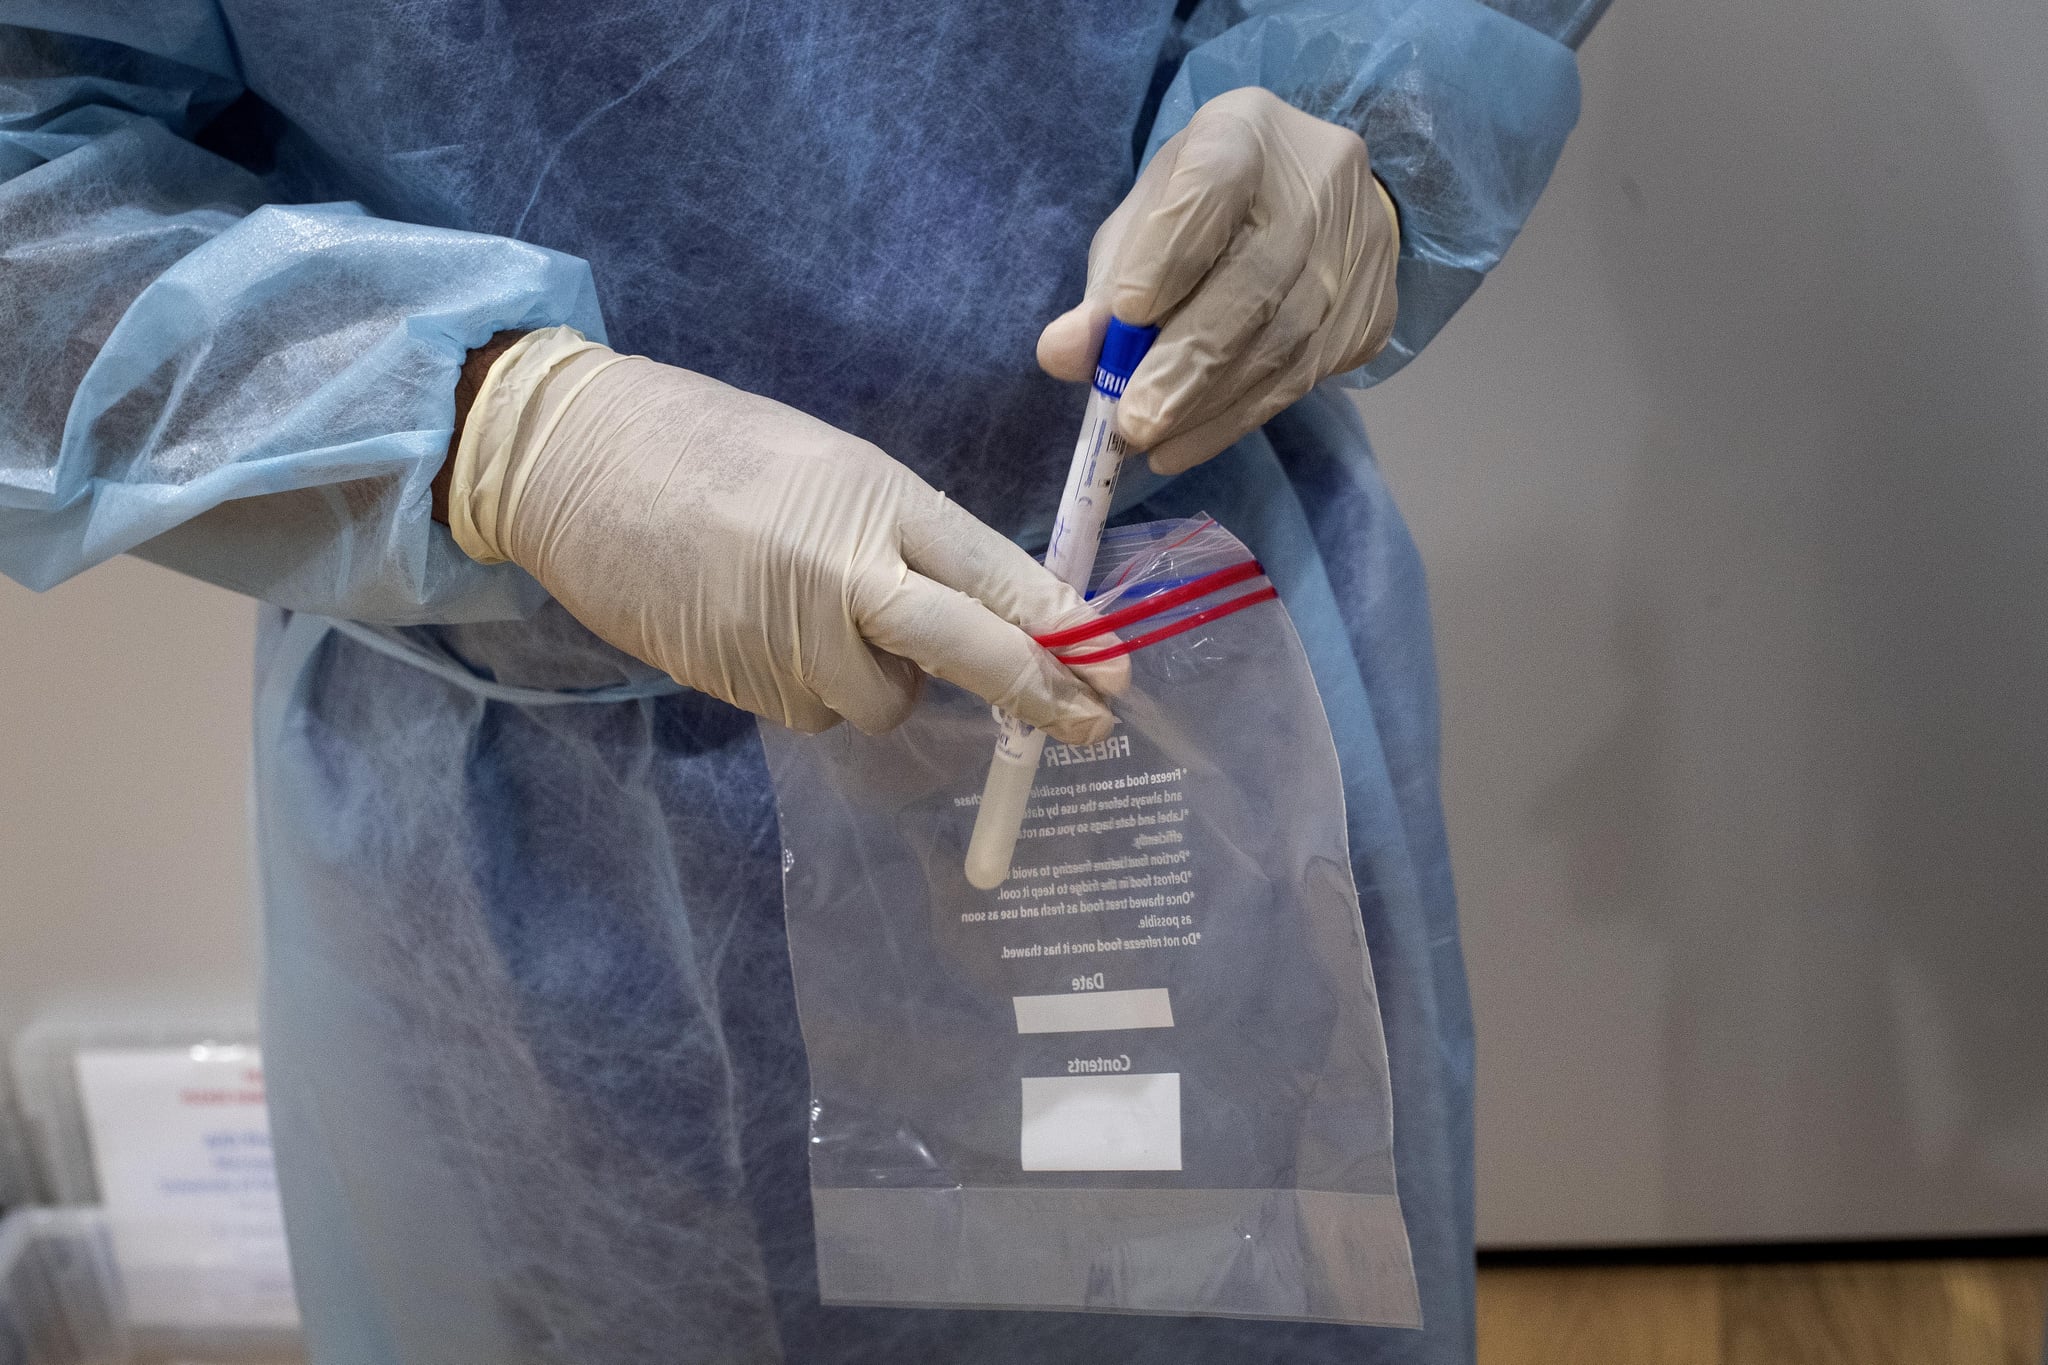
1260 243
748 550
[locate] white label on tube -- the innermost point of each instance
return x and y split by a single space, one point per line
1013 741
1091 488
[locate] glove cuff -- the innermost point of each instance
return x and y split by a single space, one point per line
1387 202
494 454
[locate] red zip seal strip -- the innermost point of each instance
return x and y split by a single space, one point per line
1147 608
1200 618
1158 604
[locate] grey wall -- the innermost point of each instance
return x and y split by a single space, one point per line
1732 485
124 750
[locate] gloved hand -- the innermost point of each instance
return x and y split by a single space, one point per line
748 550
1260 243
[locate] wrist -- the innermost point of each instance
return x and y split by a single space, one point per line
498 448
1393 209
467 382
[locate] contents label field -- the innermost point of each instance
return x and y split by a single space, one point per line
1125 1122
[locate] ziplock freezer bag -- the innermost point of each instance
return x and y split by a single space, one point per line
1146 1073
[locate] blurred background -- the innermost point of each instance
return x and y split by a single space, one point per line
1731 483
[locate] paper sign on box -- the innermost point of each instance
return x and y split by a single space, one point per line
181 1143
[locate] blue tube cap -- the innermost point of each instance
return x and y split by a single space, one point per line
1123 346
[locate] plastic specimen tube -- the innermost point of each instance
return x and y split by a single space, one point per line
1099 455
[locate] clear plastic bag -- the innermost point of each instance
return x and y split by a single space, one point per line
1146 1073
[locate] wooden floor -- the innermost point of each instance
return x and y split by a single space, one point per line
1948 1312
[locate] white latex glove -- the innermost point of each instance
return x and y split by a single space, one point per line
748 550
1261 245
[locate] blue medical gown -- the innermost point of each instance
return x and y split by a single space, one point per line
536 1080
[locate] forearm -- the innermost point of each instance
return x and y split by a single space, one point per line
1463 109
253 393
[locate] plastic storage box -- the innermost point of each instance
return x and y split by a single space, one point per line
61 1303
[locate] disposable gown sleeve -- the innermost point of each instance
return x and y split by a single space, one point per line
1465 110
256 394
